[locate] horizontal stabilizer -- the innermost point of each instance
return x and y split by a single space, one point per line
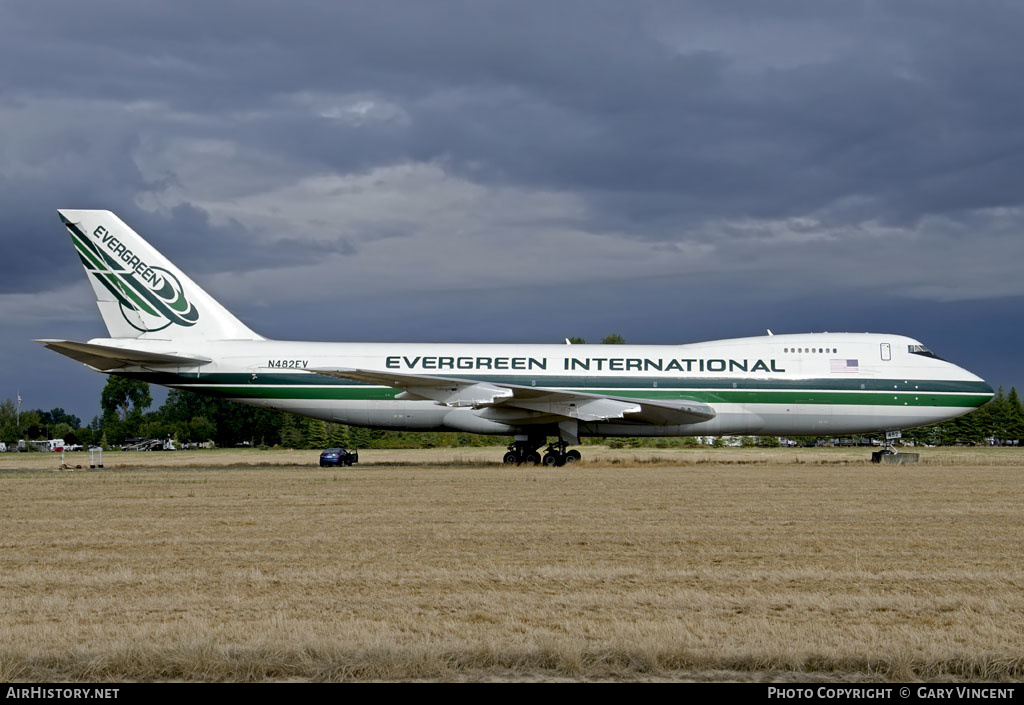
108 357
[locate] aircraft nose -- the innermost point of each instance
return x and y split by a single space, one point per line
978 385
983 387
967 375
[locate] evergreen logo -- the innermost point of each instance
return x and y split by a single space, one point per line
151 298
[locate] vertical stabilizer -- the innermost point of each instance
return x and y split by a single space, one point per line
140 293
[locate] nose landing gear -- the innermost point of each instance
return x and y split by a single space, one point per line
890 455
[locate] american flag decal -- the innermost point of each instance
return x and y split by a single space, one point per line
841 366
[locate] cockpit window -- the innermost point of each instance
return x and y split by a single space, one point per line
922 350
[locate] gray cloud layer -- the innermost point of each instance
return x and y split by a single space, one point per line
288 153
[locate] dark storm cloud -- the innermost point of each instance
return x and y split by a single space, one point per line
39 256
915 110
40 172
201 248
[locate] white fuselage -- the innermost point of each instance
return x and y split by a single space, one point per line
812 384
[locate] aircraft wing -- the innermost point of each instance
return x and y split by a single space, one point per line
513 403
108 357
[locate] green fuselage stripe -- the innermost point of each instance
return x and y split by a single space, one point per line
845 391
719 396
607 385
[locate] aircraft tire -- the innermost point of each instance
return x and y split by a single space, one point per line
573 456
550 459
533 458
510 458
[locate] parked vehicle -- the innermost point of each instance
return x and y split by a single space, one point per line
148 444
338 457
54 445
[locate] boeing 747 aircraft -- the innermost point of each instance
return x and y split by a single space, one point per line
166 330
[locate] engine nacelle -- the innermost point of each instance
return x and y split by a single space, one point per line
468 420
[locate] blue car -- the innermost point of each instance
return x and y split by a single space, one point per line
338 457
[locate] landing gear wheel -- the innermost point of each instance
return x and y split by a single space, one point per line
572 457
523 451
550 459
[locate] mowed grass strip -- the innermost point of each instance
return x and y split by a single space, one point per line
595 456
743 569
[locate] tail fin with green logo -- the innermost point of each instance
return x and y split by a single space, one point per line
140 293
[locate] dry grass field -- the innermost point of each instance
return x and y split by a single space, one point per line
677 564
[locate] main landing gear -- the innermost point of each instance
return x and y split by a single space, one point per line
555 455
520 452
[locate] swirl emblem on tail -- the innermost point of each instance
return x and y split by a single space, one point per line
151 298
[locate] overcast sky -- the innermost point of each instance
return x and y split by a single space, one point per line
522 171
